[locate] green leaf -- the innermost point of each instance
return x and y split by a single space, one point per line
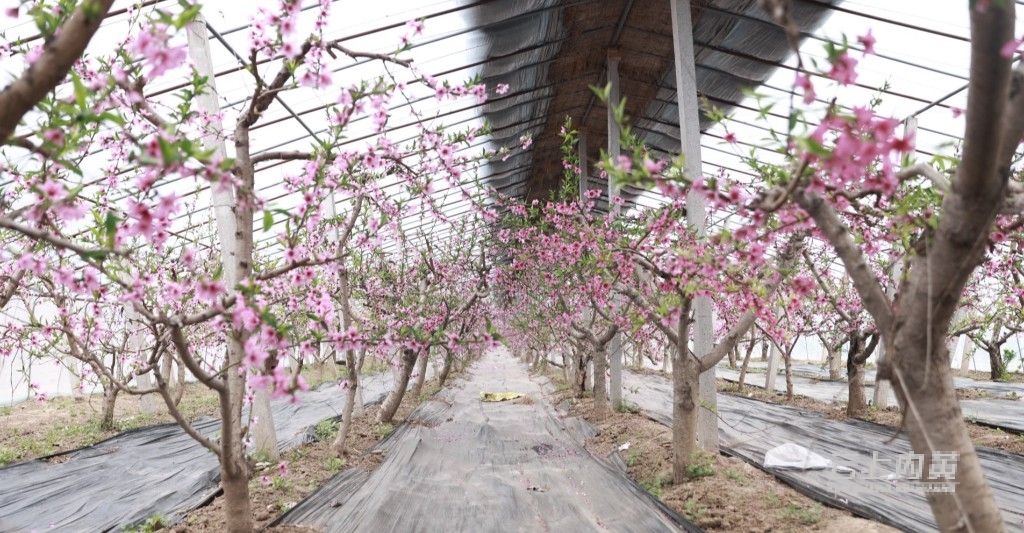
167 151
80 91
110 228
268 220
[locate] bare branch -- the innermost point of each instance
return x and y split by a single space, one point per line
56 240
367 55
281 156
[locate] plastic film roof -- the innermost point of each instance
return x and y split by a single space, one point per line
550 52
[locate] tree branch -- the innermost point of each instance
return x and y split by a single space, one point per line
59 54
864 280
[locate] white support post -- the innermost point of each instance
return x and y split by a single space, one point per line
882 386
224 203
696 213
773 367
614 134
614 150
136 343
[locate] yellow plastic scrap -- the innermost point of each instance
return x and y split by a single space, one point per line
499 396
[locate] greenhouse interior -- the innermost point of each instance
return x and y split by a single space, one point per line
511 265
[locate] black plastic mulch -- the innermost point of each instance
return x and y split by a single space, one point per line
749 428
156 470
459 464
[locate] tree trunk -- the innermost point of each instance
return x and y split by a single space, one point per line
733 355
394 399
446 367
685 396
764 349
856 358
421 373
743 368
179 385
234 468
995 352
601 409
995 359
580 385
666 363
787 359
237 507
109 401
352 399
935 424
857 405
835 360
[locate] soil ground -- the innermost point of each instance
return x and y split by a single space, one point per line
723 494
32 429
308 467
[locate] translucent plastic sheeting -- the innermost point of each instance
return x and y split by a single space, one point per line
459 464
156 470
999 413
749 428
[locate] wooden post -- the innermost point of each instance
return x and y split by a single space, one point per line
696 212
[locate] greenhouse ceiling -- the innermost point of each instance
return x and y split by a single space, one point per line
551 53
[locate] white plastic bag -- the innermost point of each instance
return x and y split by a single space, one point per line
794 457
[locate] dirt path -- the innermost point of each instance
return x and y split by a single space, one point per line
462 464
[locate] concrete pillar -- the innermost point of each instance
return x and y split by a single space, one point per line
773 367
584 168
696 213
223 202
614 150
882 386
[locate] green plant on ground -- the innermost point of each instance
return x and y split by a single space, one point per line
383 430
701 465
694 510
654 486
633 458
151 525
280 483
134 422
194 406
326 430
736 476
627 407
806 516
5 411
773 500
335 464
